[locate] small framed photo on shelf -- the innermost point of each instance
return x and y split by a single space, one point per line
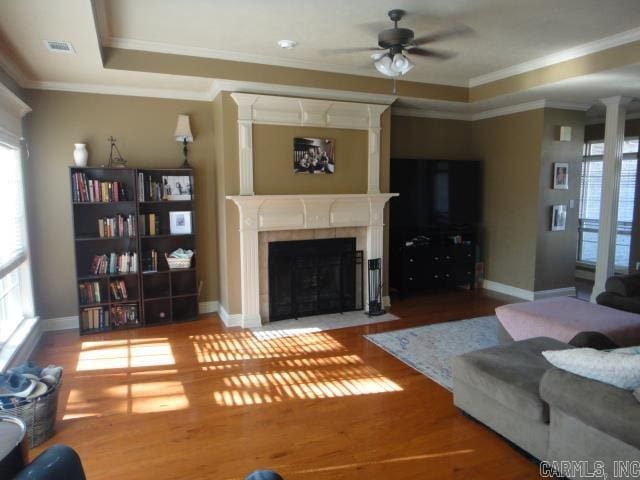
314 155
180 223
177 187
560 176
558 218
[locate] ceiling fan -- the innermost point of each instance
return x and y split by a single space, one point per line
395 43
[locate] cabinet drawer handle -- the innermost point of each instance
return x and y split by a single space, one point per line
436 258
468 254
448 257
435 276
447 275
411 278
411 260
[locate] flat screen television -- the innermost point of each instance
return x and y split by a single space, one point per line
435 193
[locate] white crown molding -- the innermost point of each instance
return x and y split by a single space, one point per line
442 115
191 95
201 52
524 107
13 70
11 102
306 92
612 41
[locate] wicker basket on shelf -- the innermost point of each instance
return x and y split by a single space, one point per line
177 263
39 414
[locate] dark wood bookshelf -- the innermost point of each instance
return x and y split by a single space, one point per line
158 297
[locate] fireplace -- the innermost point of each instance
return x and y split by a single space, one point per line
311 277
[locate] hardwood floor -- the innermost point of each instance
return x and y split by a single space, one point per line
198 400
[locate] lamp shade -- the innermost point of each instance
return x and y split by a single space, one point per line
183 130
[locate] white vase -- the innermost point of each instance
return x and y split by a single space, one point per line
80 154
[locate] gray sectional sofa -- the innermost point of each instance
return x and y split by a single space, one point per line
553 415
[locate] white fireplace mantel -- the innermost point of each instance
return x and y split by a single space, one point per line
260 213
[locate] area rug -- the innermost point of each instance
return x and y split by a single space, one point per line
429 349
317 323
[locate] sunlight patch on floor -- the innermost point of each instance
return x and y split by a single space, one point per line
119 354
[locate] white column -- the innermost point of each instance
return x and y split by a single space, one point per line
612 163
373 170
249 262
375 240
245 140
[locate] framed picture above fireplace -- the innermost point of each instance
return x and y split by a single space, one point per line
314 155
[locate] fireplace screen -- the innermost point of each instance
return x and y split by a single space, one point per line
311 277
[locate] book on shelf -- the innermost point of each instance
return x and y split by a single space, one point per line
170 187
94 318
150 261
149 224
86 189
124 315
118 226
90 293
114 263
118 290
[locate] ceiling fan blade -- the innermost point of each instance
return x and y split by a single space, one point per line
424 52
338 51
455 31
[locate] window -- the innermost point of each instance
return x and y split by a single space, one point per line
590 191
15 280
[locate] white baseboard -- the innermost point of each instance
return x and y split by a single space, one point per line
386 301
556 292
508 289
234 320
60 323
208 307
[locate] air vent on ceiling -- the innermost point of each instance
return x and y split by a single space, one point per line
59 47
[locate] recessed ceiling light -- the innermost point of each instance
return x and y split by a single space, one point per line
57 46
287 44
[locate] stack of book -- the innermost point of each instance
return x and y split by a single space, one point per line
118 290
124 315
114 263
165 188
149 224
90 293
150 261
94 318
119 226
89 190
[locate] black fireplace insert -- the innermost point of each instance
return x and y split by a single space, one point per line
312 277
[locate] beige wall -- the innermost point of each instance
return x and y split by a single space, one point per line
417 137
273 161
556 251
510 148
143 128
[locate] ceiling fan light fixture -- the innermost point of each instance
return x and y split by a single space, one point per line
399 62
406 65
384 66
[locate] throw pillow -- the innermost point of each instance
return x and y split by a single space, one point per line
620 369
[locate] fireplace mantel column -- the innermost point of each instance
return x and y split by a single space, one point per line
249 262
375 236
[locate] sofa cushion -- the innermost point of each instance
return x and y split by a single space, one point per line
620 368
613 300
623 285
606 408
510 374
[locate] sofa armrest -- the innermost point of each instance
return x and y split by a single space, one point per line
609 409
613 300
623 285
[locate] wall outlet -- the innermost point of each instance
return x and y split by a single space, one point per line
572 203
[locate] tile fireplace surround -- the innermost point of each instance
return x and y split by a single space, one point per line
296 217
